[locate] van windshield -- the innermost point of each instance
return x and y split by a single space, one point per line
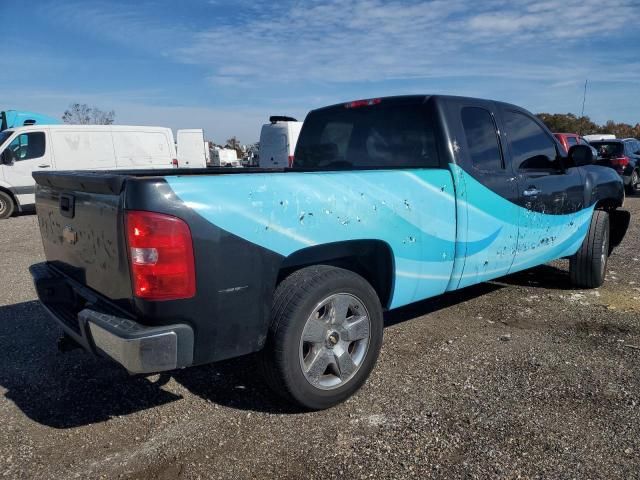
376 135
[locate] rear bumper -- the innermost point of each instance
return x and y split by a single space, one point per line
105 330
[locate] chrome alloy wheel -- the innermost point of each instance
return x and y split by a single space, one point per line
335 340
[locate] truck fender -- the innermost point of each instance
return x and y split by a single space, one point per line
371 259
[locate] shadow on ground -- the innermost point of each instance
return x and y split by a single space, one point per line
66 390
544 276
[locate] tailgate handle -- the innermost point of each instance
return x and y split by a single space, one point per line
67 205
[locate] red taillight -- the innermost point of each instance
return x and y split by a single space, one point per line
174 162
161 256
290 161
620 161
363 103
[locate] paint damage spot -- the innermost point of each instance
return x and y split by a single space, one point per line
234 289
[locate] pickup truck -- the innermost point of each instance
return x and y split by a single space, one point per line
389 201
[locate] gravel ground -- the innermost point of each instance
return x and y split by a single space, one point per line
523 377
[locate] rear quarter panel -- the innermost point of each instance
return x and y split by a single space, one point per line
413 211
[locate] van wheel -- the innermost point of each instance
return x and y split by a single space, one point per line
588 266
324 338
7 206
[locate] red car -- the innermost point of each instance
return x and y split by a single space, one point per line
568 140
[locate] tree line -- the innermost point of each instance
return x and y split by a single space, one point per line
570 123
556 122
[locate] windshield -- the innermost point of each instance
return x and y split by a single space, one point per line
608 149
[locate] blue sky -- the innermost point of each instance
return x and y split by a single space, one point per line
225 66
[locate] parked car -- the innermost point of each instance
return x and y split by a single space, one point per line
224 157
26 150
390 201
278 140
624 157
568 140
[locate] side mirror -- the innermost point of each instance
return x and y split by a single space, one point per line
7 157
581 155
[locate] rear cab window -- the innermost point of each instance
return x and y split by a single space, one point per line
377 134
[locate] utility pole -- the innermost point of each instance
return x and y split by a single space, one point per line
584 99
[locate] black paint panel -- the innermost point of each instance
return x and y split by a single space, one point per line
235 281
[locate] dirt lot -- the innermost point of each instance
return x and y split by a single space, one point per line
522 377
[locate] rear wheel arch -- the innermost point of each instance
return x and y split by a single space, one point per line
371 259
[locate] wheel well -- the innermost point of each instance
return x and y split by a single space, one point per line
608 204
371 259
12 196
619 221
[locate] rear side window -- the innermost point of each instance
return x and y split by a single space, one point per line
632 147
571 141
372 136
28 146
531 147
482 138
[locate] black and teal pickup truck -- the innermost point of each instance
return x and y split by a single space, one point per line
389 201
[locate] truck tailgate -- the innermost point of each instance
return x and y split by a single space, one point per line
82 227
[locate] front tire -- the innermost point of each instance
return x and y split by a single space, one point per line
324 338
7 207
587 268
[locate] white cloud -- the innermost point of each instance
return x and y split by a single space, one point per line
290 56
372 40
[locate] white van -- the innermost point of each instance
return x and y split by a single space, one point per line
25 150
599 136
191 148
224 157
278 142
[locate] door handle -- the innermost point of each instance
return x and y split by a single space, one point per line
531 192
44 166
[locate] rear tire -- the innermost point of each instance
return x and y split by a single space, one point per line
7 207
588 266
324 338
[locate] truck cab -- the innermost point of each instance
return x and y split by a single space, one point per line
21 118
